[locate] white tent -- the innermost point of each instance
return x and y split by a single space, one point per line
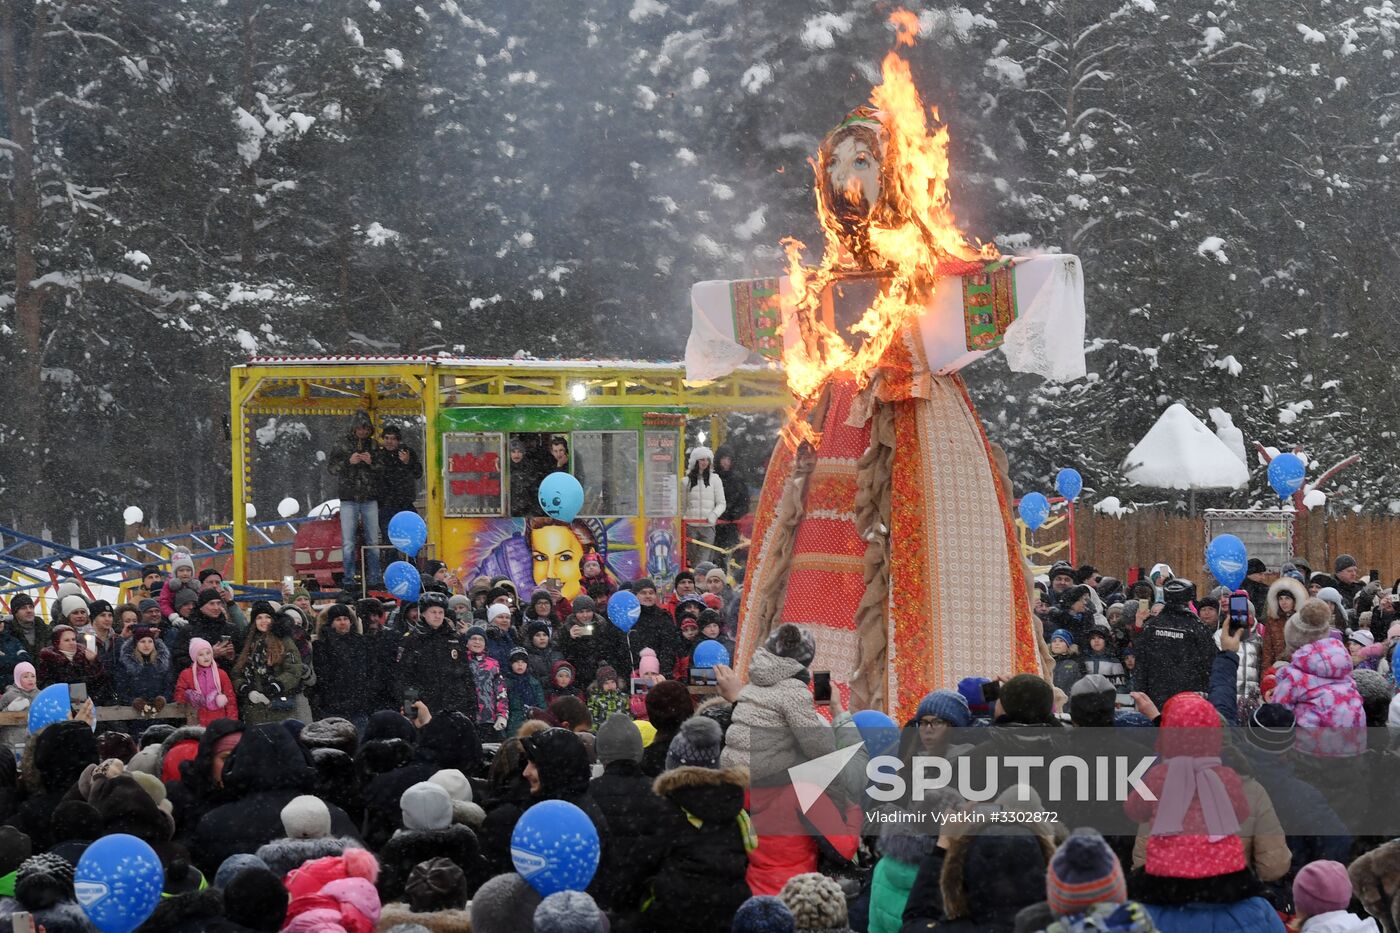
1180 452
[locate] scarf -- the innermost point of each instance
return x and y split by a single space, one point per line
1195 779
206 680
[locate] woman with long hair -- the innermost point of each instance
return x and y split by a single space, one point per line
704 504
267 674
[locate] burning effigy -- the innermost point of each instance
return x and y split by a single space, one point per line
885 521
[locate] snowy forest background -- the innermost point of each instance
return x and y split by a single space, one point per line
190 183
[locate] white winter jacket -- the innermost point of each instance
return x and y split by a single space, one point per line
704 503
1340 921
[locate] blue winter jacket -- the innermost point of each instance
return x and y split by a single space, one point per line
136 678
12 652
1252 915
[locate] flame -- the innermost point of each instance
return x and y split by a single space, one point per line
909 239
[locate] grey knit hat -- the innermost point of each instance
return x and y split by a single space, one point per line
1312 622
791 641
618 739
426 805
697 744
505 904
816 902
569 912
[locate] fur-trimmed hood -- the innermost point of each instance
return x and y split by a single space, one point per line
439 921
767 668
1280 585
282 855
714 702
182 734
132 664
965 893
714 796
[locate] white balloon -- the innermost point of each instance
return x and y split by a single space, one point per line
288 507
133 515
251 511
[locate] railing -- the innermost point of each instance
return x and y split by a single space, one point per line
173 711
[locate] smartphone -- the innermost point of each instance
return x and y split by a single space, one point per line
554 583
22 921
640 686
1124 700
91 641
410 696
225 638
1239 611
77 695
821 687
702 676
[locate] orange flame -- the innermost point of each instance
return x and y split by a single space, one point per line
909 239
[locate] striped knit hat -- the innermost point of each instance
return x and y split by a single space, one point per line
1084 872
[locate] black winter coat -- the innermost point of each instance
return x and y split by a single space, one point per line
448 741
655 629
635 816
345 674
263 774
583 653
434 662
407 848
1174 653
201 626
398 481
924 909
358 482
701 873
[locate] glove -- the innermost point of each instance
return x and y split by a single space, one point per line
176 619
257 697
500 723
221 701
18 706
158 704
139 704
195 698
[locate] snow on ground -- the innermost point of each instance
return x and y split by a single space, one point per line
1179 452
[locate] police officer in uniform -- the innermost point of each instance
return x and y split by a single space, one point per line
434 661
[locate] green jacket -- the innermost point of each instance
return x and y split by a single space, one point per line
889 890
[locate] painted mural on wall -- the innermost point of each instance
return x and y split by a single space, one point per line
531 551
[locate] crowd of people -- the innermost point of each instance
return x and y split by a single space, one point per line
362 765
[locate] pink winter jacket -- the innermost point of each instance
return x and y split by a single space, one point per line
1317 686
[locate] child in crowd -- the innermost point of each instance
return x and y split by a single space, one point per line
711 629
1102 659
605 698
690 636
1068 667
561 682
22 691
542 653
183 579
593 576
492 702
1317 686
1321 895
523 692
649 671
1129 660
144 676
206 686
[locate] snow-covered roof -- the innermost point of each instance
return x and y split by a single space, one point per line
467 362
1180 452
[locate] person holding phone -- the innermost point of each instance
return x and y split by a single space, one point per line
776 725
65 661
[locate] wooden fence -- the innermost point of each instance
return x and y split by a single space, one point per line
1142 539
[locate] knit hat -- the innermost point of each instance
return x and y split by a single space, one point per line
643 583
235 865
255 899
1310 623
180 558
569 912
1027 699
1329 594
971 690
583 602
1320 887
185 596
816 901
196 646
306 817
24 601
1270 729
437 884
426 806
531 630
647 662
44 880
71 604
459 604
1084 872
505 904
1373 686
794 642
1362 637
331 732
1255 565
454 782
1344 562
475 630
618 739
716 573
948 705
15 847
495 611
518 654
763 914
668 705
1063 634
1061 568
697 744
206 597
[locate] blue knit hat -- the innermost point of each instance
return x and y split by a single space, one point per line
233 865
763 914
971 690
948 705
569 912
1064 634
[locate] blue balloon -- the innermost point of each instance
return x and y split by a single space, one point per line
555 847
1286 472
1034 509
878 731
708 654
624 610
1227 559
561 496
1069 483
408 532
402 580
51 705
118 882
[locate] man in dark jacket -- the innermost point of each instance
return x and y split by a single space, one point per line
434 662
1348 579
633 812
32 631
655 629
399 473
209 623
355 464
736 504
345 671
1174 651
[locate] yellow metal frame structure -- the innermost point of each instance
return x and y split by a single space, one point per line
424 386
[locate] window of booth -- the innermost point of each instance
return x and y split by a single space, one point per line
531 456
472 474
605 464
